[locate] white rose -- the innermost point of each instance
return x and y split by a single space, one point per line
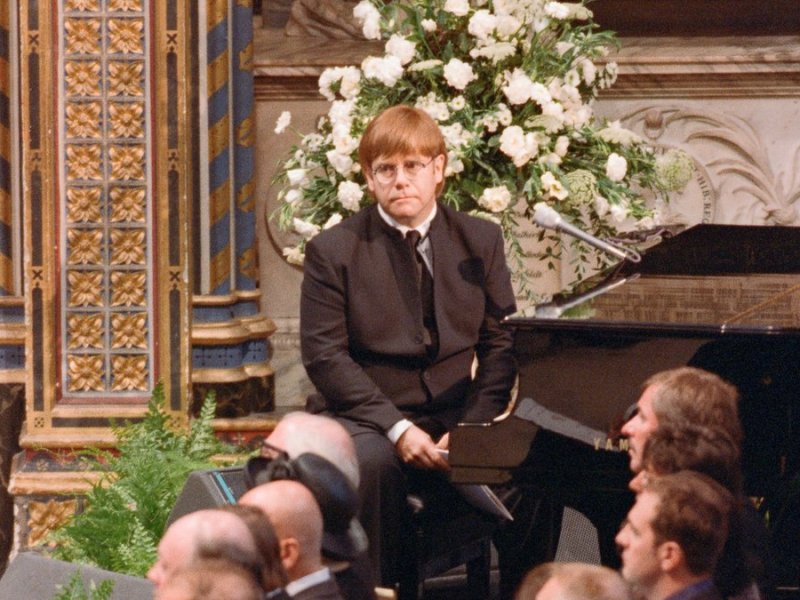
616 167
518 87
495 199
600 206
401 48
341 162
482 24
556 10
350 86
293 255
370 19
334 219
428 25
552 187
304 228
457 7
283 122
495 52
562 145
619 212
458 103
617 134
349 195
425 65
387 70
512 141
458 74
292 196
297 177
589 71
507 26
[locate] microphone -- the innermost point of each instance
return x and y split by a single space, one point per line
547 217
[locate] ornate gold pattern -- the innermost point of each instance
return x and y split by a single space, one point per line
127 162
82 77
85 246
128 246
83 119
82 5
83 204
85 372
127 119
125 5
125 36
126 78
44 517
129 331
84 161
85 331
128 288
130 373
127 205
85 288
83 36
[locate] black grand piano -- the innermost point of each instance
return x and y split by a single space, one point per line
722 298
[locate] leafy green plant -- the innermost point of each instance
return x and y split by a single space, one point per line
126 511
76 590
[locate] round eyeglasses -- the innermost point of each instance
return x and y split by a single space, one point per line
387 172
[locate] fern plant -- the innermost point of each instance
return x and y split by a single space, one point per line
126 511
76 590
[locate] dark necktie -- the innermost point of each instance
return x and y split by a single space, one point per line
425 285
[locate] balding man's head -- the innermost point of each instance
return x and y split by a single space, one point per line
298 432
209 532
297 520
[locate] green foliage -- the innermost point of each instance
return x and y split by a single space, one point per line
127 510
76 590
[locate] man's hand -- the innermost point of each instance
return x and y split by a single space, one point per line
416 448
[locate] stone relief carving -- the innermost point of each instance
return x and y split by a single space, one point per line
736 180
331 19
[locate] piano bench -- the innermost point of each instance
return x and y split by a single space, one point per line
442 543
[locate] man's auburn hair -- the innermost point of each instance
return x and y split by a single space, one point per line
693 511
688 396
401 131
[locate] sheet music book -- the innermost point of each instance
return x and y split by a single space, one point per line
481 496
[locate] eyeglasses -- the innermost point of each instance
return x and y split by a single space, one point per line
387 172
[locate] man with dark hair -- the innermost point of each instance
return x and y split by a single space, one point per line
674 535
398 303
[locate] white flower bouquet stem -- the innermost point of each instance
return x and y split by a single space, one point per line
512 85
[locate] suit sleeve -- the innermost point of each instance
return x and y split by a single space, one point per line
324 343
497 369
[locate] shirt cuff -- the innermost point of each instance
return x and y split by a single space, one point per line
398 429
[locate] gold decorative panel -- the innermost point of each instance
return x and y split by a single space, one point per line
107 177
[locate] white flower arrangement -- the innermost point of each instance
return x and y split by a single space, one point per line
512 85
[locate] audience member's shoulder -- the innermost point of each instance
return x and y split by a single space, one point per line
347 231
470 222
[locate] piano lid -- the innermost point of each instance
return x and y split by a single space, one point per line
710 278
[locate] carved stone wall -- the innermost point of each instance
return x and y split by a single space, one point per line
732 103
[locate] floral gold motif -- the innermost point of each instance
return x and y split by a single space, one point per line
84 161
85 246
125 5
128 246
125 36
126 119
82 78
127 162
127 204
128 288
84 5
129 331
85 288
83 204
130 373
85 331
85 372
44 517
83 119
125 78
83 36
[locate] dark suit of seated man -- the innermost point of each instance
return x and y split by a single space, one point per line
390 324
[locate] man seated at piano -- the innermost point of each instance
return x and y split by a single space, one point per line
687 418
397 303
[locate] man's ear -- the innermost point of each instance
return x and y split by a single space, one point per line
670 556
290 552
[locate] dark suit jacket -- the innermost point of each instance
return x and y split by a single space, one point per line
327 590
362 331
